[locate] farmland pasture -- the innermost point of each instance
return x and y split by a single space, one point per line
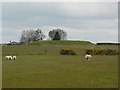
35 69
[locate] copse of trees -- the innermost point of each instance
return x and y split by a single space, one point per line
36 35
57 34
31 35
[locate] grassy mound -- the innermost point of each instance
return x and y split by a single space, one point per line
62 42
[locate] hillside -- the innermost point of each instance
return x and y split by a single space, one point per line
63 42
51 47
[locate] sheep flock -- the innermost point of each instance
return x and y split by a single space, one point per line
10 57
87 56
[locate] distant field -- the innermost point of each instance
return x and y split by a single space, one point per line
35 69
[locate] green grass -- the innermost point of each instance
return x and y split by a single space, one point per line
51 49
61 42
35 69
49 71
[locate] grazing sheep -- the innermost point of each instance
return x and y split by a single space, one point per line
88 56
8 57
14 57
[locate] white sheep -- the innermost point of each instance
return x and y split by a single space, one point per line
8 57
14 57
88 56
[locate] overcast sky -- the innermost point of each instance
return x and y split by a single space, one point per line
93 21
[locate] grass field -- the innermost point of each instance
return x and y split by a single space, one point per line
35 69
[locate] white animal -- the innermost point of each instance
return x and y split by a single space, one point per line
88 56
8 57
14 57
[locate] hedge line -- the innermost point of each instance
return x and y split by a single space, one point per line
108 44
96 51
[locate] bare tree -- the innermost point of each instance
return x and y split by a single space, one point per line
39 35
31 35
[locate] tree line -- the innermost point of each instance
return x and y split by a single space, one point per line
37 35
108 44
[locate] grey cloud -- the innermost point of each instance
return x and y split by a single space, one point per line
76 18
21 11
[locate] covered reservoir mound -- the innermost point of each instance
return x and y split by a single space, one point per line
52 47
46 47
61 42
